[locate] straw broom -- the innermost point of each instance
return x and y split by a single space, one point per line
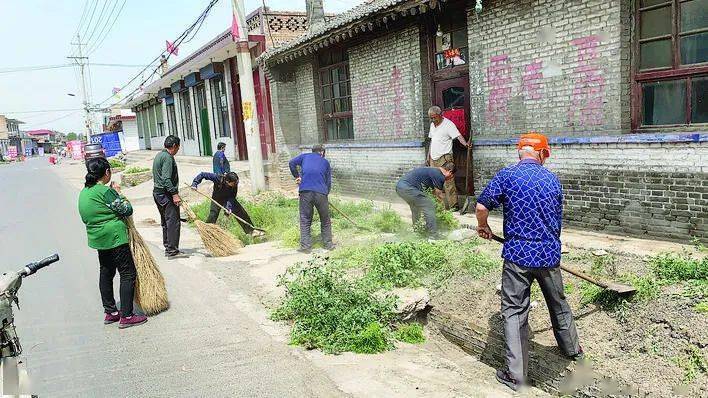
217 241
150 290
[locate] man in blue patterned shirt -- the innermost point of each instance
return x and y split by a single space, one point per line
532 201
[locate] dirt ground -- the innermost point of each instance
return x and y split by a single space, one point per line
643 345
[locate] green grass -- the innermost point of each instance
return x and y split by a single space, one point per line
334 314
702 307
116 164
135 170
692 363
410 333
673 267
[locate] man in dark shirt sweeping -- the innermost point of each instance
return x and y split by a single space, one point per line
315 181
224 193
412 186
532 200
166 195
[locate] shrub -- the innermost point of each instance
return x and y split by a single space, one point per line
410 333
116 164
135 170
388 221
402 264
674 267
333 314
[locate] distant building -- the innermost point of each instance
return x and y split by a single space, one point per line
199 100
8 128
124 122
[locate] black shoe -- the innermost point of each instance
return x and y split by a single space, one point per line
175 255
303 250
504 378
330 247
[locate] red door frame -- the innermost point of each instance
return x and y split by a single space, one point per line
237 125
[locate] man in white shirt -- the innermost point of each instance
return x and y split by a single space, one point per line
442 132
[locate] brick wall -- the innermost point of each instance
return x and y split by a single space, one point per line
306 103
386 87
658 190
559 67
286 121
371 171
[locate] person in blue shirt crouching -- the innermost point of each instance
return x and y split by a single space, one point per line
412 186
314 178
532 202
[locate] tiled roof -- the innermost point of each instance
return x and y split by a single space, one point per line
359 12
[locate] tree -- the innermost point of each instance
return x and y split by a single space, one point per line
71 137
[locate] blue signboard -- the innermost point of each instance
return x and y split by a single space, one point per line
109 141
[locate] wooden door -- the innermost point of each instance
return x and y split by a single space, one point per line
455 94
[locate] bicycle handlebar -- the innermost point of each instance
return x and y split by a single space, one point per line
34 267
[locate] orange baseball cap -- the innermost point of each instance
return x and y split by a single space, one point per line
536 140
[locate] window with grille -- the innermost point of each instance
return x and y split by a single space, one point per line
220 107
336 95
186 113
672 69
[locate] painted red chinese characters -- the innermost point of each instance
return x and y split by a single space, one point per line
589 89
531 80
498 79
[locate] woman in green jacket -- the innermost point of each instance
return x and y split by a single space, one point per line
103 210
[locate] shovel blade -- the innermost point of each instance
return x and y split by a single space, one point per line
621 289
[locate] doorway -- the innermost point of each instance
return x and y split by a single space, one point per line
203 115
452 96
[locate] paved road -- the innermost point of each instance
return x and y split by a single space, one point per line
203 346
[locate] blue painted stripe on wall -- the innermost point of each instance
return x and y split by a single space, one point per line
608 139
383 145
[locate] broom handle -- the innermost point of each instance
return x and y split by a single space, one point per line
347 217
226 211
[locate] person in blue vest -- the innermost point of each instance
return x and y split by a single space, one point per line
313 174
221 164
532 202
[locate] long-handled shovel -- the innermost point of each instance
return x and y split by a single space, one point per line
611 286
346 217
226 211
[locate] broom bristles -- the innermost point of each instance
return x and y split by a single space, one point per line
150 289
218 242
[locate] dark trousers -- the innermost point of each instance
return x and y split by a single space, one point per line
308 201
419 203
516 296
169 219
120 259
238 210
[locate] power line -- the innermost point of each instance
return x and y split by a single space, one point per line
45 111
101 39
177 42
59 66
83 15
98 21
55 119
88 25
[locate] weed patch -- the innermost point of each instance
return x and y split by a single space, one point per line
692 363
135 170
334 314
674 267
410 333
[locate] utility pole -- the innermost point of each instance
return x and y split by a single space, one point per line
248 101
81 61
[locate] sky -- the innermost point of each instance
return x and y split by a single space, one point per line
39 33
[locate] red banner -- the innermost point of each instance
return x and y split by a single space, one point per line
458 117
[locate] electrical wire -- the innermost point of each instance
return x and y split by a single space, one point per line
58 118
88 25
44 111
177 42
81 20
33 68
100 40
103 25
98 21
